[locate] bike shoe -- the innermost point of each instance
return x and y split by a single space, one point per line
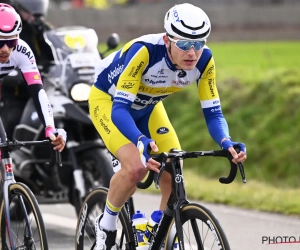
105 240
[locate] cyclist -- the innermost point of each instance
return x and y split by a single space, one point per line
15 53
127 110
14 95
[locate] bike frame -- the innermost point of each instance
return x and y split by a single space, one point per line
178 197
8 175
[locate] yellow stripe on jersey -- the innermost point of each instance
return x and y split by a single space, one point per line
207 89
127 46
131 76
157 91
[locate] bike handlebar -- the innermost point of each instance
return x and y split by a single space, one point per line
9 145
162 158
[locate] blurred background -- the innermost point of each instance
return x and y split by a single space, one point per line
231 19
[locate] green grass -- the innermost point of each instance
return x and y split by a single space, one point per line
259 87
252 61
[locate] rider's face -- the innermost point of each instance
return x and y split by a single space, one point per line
186 60
5 48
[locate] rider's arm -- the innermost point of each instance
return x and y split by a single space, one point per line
209 98
31 74
137 59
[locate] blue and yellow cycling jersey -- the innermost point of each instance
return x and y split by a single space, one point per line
141 74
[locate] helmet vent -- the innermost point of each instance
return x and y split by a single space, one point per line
192 28
183 34
168 15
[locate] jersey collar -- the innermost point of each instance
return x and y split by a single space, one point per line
169 62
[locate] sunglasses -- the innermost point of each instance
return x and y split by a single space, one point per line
9 42
185 45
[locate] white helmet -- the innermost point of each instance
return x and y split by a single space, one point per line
10 21
188 22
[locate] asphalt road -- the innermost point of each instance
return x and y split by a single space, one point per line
245 229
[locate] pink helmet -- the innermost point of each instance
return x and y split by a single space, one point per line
10 21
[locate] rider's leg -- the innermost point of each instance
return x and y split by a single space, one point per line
160 129
123 183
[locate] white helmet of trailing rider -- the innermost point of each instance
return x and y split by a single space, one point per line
188 22
10 21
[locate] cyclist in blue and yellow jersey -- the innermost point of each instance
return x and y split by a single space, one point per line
127 110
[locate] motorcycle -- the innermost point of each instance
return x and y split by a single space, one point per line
86 163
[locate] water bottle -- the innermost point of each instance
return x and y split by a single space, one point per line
152 225
176 247
139 224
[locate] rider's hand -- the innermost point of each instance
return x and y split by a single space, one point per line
58 141
145 145
227 144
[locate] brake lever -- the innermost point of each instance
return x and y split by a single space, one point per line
58 158
58 155
157 176
240 165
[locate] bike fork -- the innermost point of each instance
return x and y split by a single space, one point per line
8 179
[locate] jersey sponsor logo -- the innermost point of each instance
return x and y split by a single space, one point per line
96 112
122 94
137 69
127 85
164 91
181 82
105 126
211 87
154 82
27 52
131 71
121 101
215 109
216 102
181 74
210 70
162 130
147 100
114 73
145 89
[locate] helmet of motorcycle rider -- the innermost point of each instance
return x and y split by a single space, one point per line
10 21
35 7
187 22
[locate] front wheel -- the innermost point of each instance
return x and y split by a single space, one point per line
96 171
201 230
33 234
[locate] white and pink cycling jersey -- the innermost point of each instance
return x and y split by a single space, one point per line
23 58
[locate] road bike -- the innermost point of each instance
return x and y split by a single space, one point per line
28 232
192 225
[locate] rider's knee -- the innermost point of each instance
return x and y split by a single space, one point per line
136 173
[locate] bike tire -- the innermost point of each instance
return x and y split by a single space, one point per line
191 212
21 190
99 194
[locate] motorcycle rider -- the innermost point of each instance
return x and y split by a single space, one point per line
13 91
15 53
